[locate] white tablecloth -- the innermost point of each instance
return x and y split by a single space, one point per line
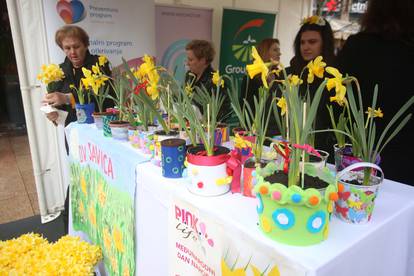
385 246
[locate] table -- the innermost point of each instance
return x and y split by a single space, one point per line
385 246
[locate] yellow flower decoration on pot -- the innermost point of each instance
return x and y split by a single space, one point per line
273 272
241 143
258 67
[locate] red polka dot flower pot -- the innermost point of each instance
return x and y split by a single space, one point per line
208 174
294 215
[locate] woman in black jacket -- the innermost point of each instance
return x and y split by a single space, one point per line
74 41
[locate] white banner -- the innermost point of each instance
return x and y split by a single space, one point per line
117 29
200 244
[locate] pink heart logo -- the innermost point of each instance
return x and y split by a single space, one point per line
71 12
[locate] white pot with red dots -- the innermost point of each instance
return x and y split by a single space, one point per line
208 174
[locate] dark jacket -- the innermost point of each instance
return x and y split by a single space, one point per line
373 60
73 76
206 81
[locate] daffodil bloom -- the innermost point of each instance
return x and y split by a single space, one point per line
152 91
117 237
373 113
217 80
258 67
102 60
315 68
276 71
188 89
336 82
294 80
50 73
282 104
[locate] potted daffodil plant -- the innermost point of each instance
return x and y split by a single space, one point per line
295 197
360 179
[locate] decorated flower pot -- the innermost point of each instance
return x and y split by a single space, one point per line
293 215
208 174
243 145
344 157
319 161
119 130
173 156
106 119
84 113
98 119
159 136
356 201
133 136
249 179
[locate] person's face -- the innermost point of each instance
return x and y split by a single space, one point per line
194 64
274 52
310 45
75 50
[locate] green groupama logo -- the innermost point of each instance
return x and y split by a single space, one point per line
242 48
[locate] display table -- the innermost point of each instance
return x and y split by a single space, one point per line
385 246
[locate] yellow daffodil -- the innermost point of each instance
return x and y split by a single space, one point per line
227 271
188 89
72 86
336 82
294 80
282 104
315 68
101 194
117 237
92 215
68 256
153 91
276 71
84 185
102 60
258 67
217 80
50 73
373 113
107 239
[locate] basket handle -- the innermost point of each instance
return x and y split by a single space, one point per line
360 165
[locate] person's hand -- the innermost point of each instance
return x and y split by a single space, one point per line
52 116
55 99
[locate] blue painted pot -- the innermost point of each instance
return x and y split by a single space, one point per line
173 156
84 113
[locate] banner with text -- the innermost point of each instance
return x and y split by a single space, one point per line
116 28
240 30
200 244
102 191
174 28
